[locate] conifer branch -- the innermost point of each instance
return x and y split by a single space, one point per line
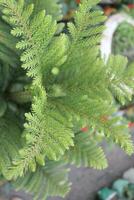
70 84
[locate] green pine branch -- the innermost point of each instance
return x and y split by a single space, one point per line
120 78
69 82
51 180
86 152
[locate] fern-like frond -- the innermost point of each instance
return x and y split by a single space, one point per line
46 131
85 33
115 131
36 33
47 135
85 29
86 152
51 180
120 78
85 94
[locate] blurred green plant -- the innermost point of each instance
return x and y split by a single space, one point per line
123 41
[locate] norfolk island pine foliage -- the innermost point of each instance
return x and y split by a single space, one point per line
51 85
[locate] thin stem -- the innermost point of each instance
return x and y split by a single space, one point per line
20 97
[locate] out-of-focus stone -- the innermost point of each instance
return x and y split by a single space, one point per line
119 185
129 175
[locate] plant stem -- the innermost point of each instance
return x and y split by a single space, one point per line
21 97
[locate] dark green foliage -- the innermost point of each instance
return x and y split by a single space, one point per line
52 7
51 180
128 1
10 141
